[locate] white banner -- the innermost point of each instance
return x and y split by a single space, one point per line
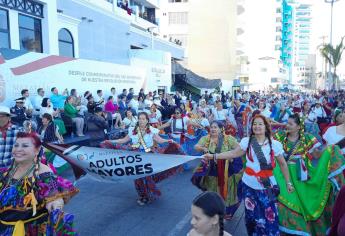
31 70
108 165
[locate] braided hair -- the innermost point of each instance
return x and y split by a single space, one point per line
212 204
300 122
147 128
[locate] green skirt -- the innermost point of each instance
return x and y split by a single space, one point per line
59 123
308 210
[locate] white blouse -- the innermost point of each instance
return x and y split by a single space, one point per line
148 138
220 115
130 122
252 181
154 118
48 110
332 137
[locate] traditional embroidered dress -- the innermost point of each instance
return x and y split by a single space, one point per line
179 128
23 205
307 210
223 177
261 213
239 120
311 126
146 186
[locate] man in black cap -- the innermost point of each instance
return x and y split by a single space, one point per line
19 112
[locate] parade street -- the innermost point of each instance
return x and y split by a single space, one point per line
107 209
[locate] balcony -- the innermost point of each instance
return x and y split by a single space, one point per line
141 13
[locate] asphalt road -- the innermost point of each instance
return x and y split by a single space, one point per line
110 209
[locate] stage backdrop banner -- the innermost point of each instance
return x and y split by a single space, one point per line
108 165
22 69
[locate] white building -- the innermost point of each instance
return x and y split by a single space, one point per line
207 31
102 30
258 44
302 26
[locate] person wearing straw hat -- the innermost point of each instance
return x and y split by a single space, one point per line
7 137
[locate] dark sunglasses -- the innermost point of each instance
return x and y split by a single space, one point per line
177 113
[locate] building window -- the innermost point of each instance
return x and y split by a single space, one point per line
178 18
4 29
29 7
30 33
66 45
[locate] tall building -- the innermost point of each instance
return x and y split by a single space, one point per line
207 30
259 44
296 31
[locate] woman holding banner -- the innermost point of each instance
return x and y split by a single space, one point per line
142 138
222 176
31 196
260 187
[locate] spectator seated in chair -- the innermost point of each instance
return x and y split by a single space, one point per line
19 112
48 131
72 112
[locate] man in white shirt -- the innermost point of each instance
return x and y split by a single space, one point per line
115 94
27 103
99 97
134 104
38 99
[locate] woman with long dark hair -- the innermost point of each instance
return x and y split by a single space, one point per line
143 137
222 176
31 196
307 211
260 189
208 210
46 107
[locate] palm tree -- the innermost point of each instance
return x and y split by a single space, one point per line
333 56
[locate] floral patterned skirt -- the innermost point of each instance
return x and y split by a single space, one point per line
261 214
205 177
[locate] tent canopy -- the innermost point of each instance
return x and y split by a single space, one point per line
194 79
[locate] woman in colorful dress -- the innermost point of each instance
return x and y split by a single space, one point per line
260 189
335 135
31 196
142 138
222 176
238 110
155 116
310 123
307 211
178 123
129 120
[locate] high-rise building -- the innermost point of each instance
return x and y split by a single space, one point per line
296 31
259 44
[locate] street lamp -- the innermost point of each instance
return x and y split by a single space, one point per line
150 29
330 37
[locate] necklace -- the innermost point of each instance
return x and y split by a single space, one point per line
14 170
